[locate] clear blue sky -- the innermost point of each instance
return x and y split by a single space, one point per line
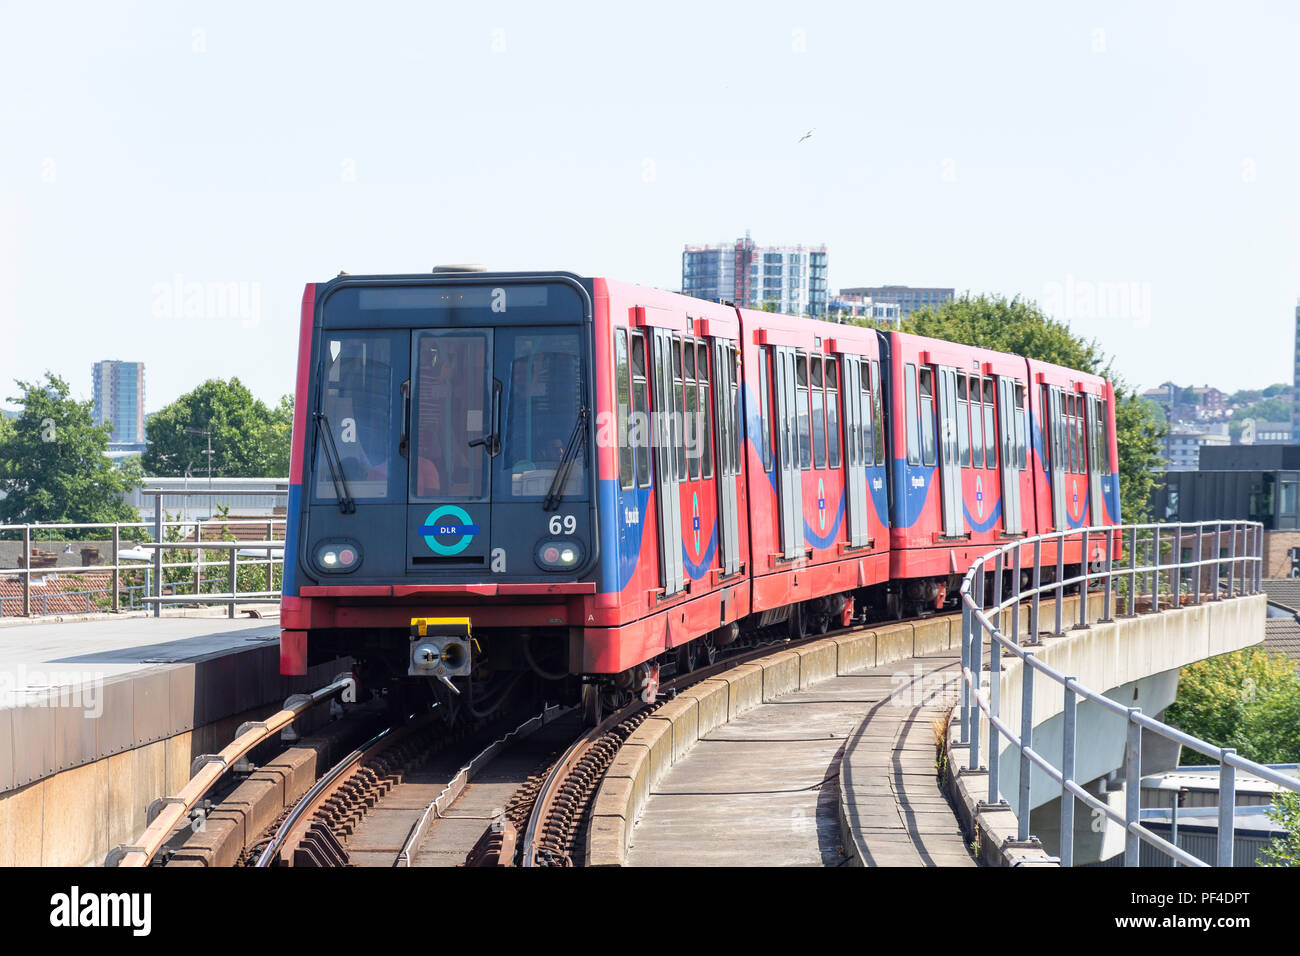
1022 149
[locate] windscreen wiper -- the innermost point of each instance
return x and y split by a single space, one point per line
492 440
576 438
341 490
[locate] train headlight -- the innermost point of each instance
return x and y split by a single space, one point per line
558 554
337 556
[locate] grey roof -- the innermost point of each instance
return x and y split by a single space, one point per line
1282 636
1284 591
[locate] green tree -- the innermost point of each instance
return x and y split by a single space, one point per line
1249 700
1285 851
248 439
1021 327
52 461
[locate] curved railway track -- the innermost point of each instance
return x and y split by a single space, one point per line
540 822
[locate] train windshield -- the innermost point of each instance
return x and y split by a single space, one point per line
542 389
513 390
356 402
451 405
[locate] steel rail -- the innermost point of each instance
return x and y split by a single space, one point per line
560 770
167 813
456 786
311 800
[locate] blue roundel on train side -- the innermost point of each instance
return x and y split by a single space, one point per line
695 521
448 530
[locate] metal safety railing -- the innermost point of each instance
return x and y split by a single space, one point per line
1143 568
246 571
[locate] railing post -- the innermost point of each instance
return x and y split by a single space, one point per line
27 570
1132 787
1177 572
1256 584
1038 582
995 710
1060 582
1083 586
234 553
976 667
1218 552
1155 570
1132 573
1108 604
998 590
1227 807
1173 828
117 567
157 554
967 622
1015 590
1200 556
270 563
1026 741
1067 774
198 558
1232 558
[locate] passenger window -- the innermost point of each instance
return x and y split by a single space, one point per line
623 399
679 411
818 390
877 418
833 413
1021 452
990 441
737 431
801 406
706 430
976 424
909 403
927 417
866 428
963 422
691 423
639 426
765 408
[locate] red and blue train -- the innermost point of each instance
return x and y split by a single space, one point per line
499 476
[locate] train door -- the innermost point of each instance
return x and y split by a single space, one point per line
790 483
949 464
669 465
857 449
1057 454
1012 435
726 416
452 393
1096 440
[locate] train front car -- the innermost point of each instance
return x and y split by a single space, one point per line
442 521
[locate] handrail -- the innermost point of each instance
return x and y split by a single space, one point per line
984 602
167 813
269 555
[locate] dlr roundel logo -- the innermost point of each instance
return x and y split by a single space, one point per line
448 530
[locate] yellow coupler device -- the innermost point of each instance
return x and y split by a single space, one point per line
440 647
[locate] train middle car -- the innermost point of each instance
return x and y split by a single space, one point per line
562 476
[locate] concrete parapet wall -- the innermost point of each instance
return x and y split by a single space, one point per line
76 784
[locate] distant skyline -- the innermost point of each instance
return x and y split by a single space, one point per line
1132 168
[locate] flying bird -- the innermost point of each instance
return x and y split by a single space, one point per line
805 136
